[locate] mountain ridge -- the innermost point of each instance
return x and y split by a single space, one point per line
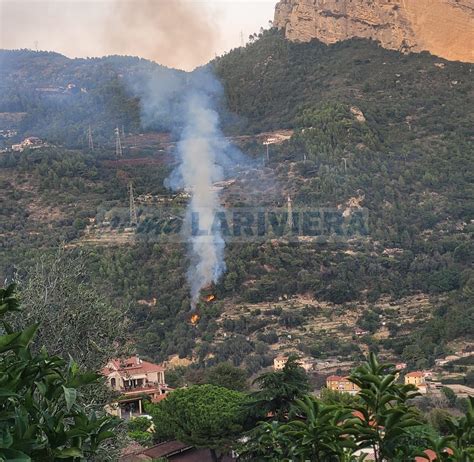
445 28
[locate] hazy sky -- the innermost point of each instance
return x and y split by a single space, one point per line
177 33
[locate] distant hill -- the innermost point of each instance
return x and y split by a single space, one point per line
267 86
59 97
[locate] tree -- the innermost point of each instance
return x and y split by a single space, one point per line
317 431
382 416
41 418
74 320
458 445
279 389
266 442
450 396
206 416
228 376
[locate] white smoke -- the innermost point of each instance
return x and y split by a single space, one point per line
186 105
204 155
199 169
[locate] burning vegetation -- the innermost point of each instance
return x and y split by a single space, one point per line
194 317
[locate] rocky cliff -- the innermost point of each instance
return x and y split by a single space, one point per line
443 27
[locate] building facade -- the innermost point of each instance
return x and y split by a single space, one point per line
416 378
341 384
135 380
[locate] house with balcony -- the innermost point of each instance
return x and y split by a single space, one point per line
134 380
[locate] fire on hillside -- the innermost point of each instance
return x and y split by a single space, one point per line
195 316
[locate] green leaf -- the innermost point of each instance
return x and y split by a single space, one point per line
6 439
70 395
11 455
7 342
68 452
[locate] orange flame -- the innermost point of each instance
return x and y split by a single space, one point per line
194 319
209 298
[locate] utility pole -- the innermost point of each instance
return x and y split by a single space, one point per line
290 214
242 38
118 144
133 209
90 139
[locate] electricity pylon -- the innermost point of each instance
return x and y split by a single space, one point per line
133 209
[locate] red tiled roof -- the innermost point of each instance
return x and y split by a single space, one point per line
131 366
336 378
431 455
415 374
361 416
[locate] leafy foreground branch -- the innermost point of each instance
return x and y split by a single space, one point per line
41 418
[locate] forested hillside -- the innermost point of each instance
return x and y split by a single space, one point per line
57 98
372 128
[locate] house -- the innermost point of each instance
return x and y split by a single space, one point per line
416 378
135 380
400 366
31 142
341 384
307 364
279 363
428 375
360 332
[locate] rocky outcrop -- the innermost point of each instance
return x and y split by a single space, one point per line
443 27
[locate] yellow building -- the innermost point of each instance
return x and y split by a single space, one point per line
416 378
341 384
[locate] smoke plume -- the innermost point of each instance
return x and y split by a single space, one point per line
204 156
187 105
176 33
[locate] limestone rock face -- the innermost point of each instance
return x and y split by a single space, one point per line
443 27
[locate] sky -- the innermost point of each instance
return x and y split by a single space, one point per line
176 33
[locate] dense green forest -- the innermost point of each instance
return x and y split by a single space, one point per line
392 131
